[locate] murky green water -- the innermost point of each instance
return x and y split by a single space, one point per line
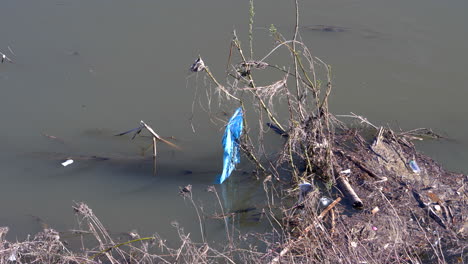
85 70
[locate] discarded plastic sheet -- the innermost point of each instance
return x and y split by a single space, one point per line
304 189
414 166
231 145
67 162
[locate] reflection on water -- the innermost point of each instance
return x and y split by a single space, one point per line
84 71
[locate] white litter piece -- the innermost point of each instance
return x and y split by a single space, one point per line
348 171
67 162
325 201
12 257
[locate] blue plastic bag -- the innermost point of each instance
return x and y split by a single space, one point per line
231 141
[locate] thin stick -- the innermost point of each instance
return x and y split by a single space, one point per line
222 88
11 51
155 153
159 137
363 119
362 166
118 245
294 53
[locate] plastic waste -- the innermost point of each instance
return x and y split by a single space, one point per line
231 144
414 166
304 189
325 201
348 171
67 162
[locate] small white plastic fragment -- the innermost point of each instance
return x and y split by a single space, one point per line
12 257
67 162
348 171
325 201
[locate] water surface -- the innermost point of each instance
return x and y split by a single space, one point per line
86 70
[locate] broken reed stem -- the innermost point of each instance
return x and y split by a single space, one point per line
291 161
155 153
251 21
226 226
296 72
118 245
348 191
159 137
329 86
202 230
361 166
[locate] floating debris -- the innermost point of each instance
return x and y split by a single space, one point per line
326 28
67 162
348 171
414 166
137 131
185 191
277 130
230 143
198 65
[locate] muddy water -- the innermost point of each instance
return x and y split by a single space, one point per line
86 70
